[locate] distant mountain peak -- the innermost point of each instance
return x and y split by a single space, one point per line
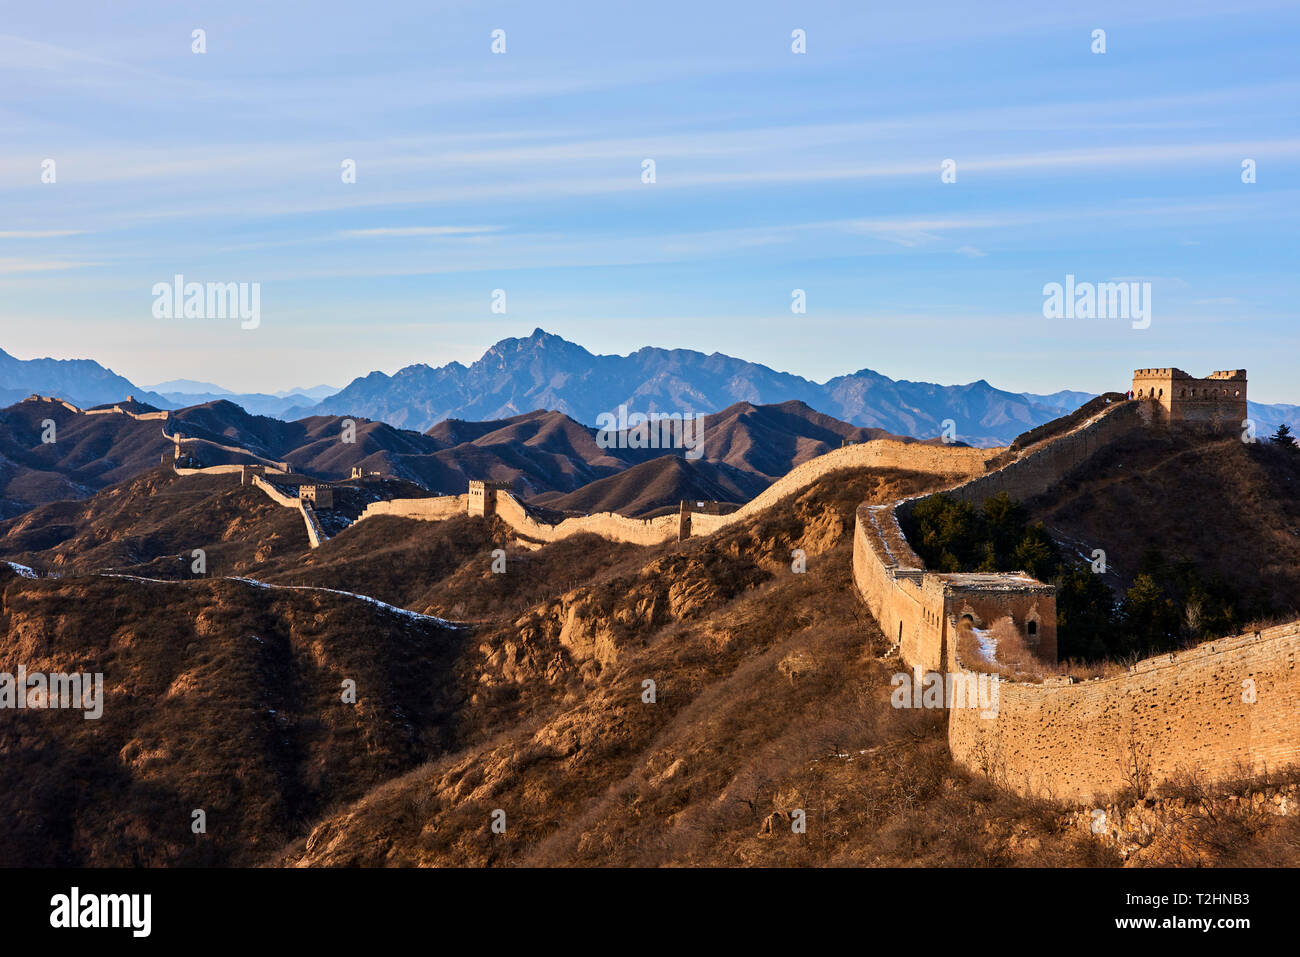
546 371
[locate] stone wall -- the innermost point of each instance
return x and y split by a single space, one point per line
179 439
943 460
118 410
432 509
610 525
487 498
36 397
283 498
209 470
1189 711
315 533
1041 466
1183 712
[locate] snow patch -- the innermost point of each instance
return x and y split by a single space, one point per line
23 570
392 609
988 644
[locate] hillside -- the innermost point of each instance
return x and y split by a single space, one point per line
772 695
151 524
1230 508
655 486
221 696
87 454
538 453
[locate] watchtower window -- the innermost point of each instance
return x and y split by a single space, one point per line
1032 628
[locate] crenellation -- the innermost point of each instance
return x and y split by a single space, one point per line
1217 401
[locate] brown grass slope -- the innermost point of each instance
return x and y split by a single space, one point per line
220 696
770 698
151 524
445 568
1230 507
89 453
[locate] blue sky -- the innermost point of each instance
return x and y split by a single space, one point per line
775 171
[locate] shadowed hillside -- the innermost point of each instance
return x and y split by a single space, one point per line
152 523
87 454
220 696
539 454
655 486
1230 508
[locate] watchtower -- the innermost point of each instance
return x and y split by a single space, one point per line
483 497
1217 401
321 496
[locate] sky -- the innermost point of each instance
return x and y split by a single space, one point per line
774 171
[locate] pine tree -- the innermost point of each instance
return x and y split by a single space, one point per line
1284 438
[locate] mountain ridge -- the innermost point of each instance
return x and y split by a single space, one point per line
543 371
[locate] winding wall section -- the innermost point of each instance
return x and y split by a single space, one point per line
1227 706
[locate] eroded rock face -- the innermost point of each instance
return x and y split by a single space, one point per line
1167 832
593 627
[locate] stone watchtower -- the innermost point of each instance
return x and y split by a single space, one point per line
483 497
1217 401
321 496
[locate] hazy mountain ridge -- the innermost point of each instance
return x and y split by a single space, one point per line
544 371
547 371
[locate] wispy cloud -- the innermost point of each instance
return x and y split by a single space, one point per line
390 231
10 267
39 233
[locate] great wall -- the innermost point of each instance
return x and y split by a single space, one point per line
1226 707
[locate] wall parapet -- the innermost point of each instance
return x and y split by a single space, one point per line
1228 706
488 498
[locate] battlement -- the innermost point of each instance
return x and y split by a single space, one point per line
1217 401
321 496
483 497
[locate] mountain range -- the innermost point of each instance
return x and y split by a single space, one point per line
543 455
543 371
